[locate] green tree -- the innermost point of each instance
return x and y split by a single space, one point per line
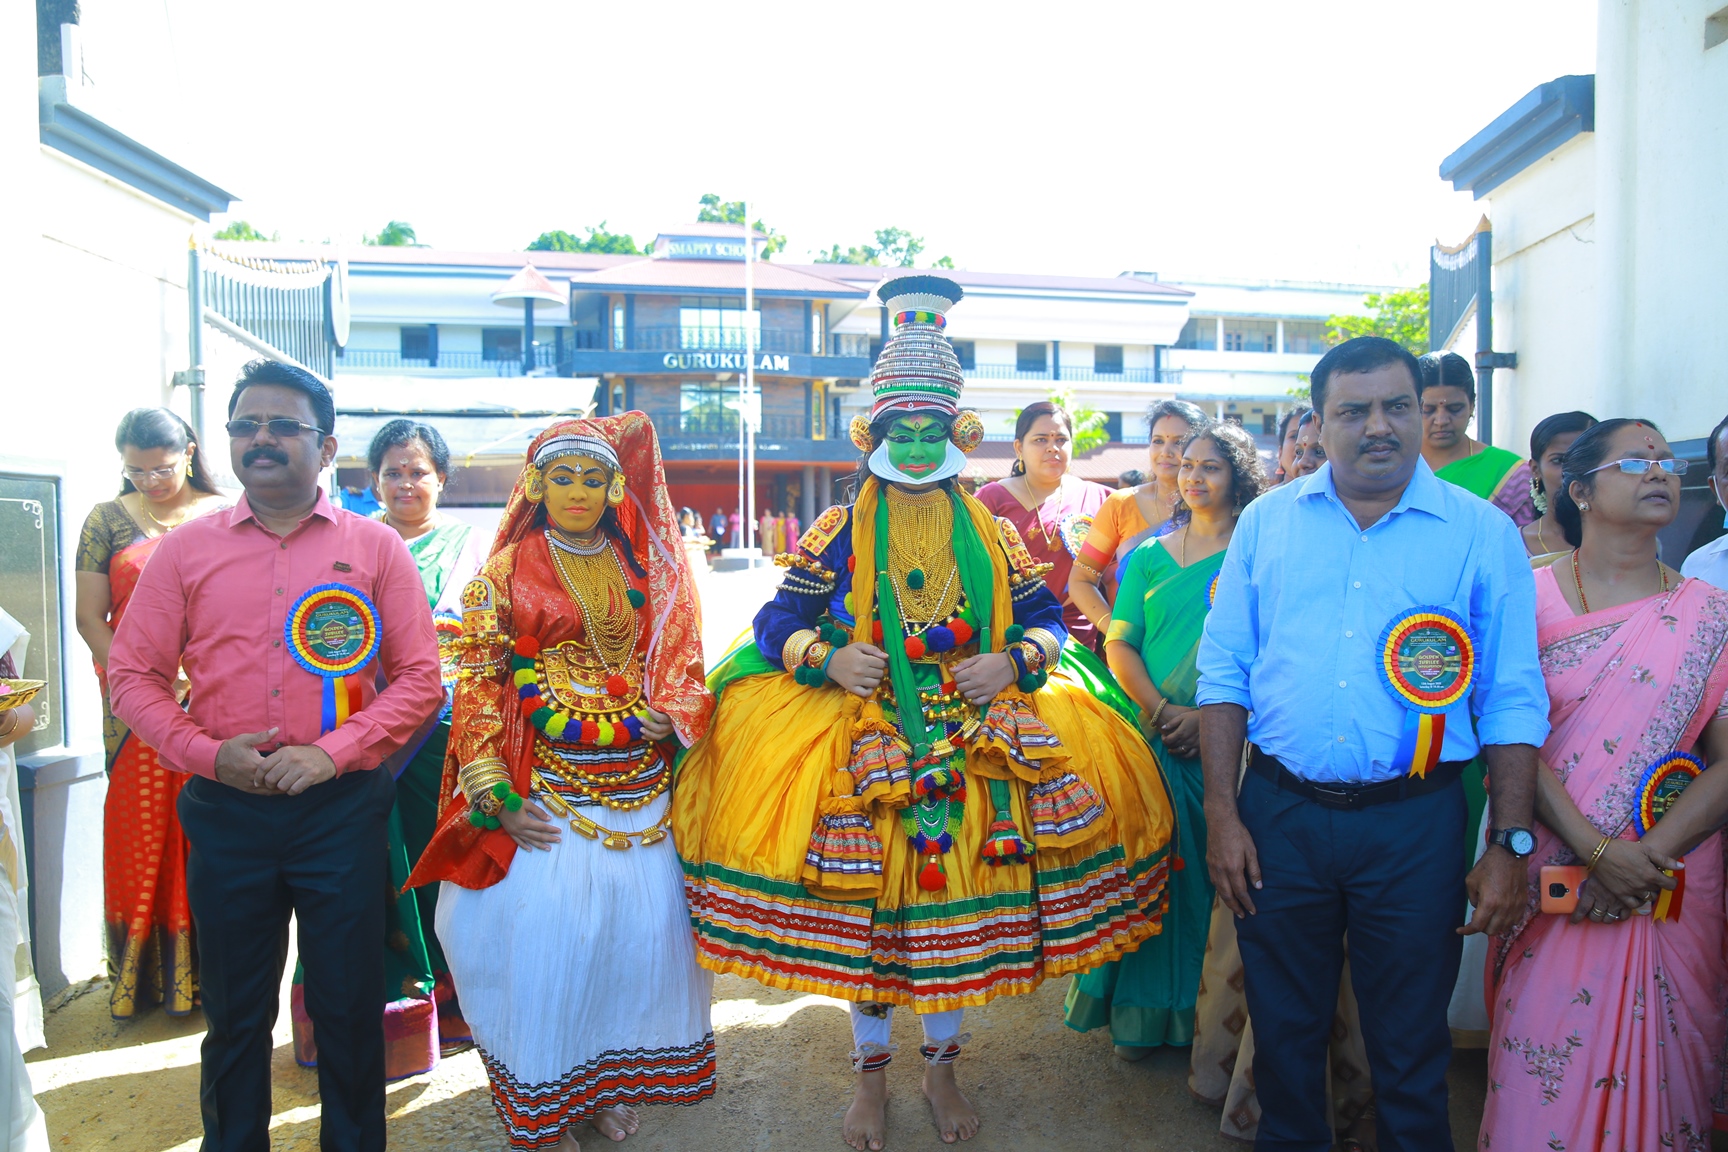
1400 316
1089 423
712 210
241 230
599 239
395 234
894 247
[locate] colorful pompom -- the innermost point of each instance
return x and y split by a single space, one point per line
915 579
847 602
914 647
616 685
513 802
523 677
530 706
852 563
590 732
633 725
876 631
526 646
962 630
637 599
930 877
540 717
555 726
1013 634
939 638
605 735
477 818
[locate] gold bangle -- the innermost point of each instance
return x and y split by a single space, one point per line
1159 711
817 655
1597 855
797 646
476 778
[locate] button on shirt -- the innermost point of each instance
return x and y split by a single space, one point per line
214 599
1305 595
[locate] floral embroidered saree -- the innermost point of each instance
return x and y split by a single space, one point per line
1606 1035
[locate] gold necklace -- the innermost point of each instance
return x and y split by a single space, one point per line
144 507
1541 543
921 564
596 582
1051 535
1578 580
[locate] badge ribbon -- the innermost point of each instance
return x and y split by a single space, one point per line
1428 664
1659 787
333 633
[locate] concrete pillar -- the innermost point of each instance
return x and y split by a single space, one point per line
824 487
807 495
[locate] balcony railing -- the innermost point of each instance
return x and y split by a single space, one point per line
681 338
1171 376
469 361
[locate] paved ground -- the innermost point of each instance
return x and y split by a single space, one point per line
784 1082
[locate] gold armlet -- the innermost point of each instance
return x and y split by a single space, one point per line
476 779
1048 646
797 646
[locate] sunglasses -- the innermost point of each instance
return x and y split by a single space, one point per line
282 428
1637 466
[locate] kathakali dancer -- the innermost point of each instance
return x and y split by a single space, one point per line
904 800
581 670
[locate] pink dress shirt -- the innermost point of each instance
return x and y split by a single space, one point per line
214 599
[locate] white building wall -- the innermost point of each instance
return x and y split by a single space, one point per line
1545 257
1661 231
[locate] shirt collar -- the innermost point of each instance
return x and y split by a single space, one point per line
1421 494
242 510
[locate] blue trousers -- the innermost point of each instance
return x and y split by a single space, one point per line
254 860
1392 877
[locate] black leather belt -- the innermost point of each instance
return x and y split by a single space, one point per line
1350 797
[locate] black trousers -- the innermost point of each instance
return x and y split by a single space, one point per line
1392 877
254 860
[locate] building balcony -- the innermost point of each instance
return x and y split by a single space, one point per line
390 361
705 436
1165 376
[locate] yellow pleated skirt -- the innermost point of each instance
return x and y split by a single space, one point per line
754 805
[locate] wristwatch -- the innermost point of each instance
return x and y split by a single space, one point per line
1518 841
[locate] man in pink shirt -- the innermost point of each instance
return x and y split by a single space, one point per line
286 613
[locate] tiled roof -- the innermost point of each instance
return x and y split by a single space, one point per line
869 274
994 458
776 279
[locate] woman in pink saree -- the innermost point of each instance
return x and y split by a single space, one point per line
1608 1024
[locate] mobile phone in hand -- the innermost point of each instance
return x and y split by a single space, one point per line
1560 884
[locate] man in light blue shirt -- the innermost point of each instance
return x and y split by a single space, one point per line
1374 629
1710 562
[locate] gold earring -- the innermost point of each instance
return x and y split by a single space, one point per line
533 484
615 493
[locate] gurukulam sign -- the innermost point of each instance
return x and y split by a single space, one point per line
724 362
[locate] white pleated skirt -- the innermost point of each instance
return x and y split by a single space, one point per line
577 973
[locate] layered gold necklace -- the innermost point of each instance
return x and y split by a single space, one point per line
594 578
921 564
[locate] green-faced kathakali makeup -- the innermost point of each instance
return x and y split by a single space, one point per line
918 444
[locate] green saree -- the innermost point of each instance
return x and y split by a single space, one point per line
1147 998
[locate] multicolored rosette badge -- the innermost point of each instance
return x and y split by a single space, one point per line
1658 788
1428 664
1212 589
332 631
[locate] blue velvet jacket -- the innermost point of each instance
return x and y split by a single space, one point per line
819 577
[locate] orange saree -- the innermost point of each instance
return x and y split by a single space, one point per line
151 957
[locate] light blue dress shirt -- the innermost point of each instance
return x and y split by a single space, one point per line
1305 594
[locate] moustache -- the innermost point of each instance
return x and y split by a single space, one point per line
253 455
1373 442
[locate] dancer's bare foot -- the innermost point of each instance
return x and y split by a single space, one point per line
866 1124
617 1122
956 1119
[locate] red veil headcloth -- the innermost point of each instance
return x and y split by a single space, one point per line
673 679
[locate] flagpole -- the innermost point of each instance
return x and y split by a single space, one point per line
752 406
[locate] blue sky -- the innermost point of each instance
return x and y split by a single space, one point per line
1292 140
